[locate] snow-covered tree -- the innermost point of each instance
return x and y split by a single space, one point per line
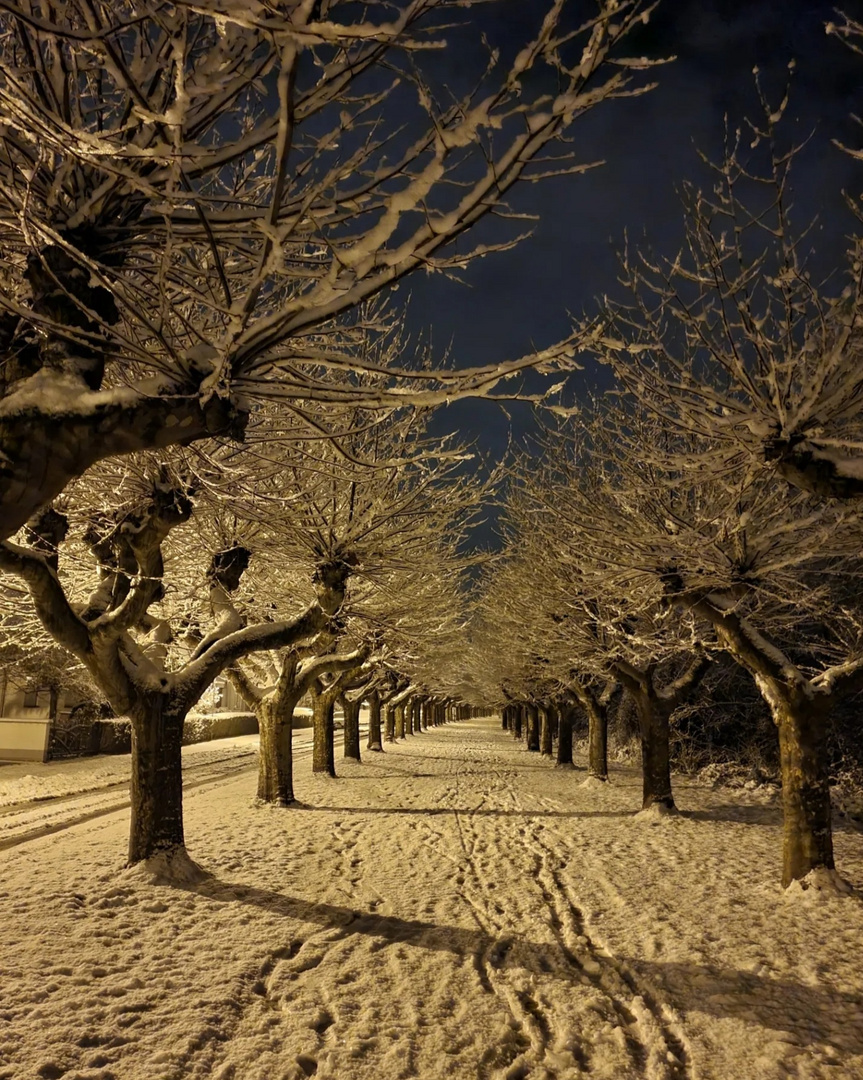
137 620
382 502
772 571
584 630
196 201
734 340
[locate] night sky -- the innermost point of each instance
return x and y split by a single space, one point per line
522 296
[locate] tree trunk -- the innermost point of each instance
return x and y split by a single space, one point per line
275 760
517 727
323 749
352 729
546 744
532 727
504 718
400 721
157 779
597 742
374 742
389 722
655 756
564 736
807 830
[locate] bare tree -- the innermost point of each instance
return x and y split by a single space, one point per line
195 204
733 341
771 572
147 660
274 704
578 634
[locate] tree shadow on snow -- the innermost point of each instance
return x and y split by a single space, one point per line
740 813
747 814
536 957
469 811
815 1014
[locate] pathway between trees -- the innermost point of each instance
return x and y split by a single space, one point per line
455 908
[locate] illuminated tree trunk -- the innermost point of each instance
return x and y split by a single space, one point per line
546 744
323 748
564 736
374 740
157 778
597 730
389 722
352 729
807 836
597 741
275 759
655 753
532 727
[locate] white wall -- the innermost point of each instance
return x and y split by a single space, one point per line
24 740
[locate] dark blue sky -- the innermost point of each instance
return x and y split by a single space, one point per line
649 143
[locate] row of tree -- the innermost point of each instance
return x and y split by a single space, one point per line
198 208
326 569
708 507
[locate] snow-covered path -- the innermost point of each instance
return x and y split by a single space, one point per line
455 908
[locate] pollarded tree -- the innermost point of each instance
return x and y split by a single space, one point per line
377 502
125 622
274 698
772 572
585 632
195 201
733 342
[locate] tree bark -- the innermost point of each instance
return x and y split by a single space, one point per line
800 714
389 722
323 748
554 720
374 703
564 736
546 744
352 729
157 778
807 836
518 721
532 727
597 730
597 741
655 754
400 720
275 760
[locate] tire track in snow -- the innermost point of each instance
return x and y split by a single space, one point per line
23 822
95 805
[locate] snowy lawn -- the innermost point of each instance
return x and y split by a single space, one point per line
454 908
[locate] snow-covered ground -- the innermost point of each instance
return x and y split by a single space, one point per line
454 908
